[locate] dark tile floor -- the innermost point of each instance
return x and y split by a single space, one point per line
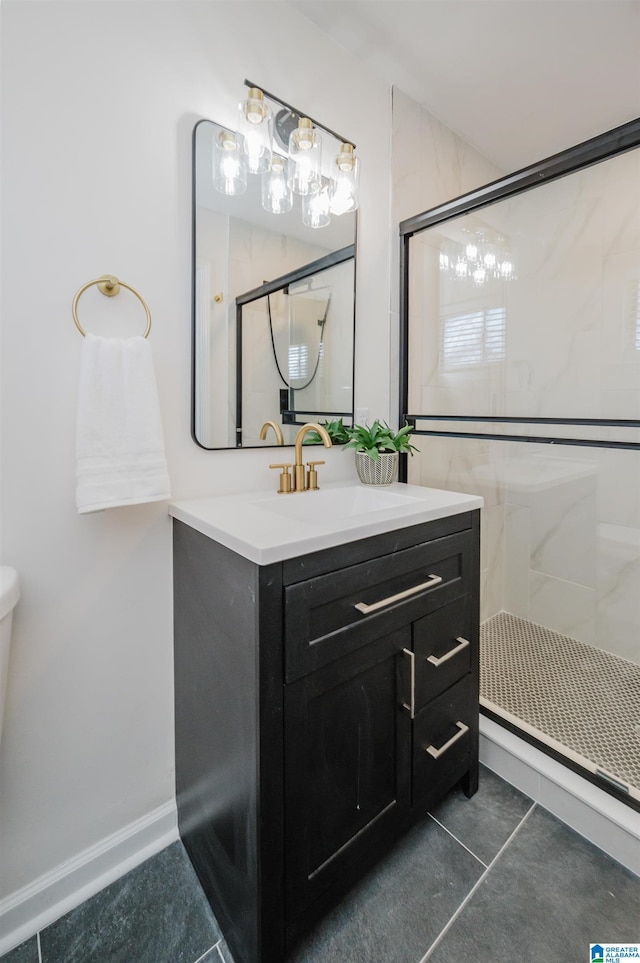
495 877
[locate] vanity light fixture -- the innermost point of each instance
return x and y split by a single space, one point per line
345 182
251 150
229 173
256 128
305 158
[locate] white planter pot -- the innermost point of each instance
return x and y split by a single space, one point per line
380 471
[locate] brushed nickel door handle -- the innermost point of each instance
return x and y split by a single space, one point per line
436 753
463 643
363 607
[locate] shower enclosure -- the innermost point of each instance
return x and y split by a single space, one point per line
520 370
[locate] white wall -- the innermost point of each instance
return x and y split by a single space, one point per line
99 101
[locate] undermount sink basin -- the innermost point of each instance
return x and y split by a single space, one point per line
266 527
336 503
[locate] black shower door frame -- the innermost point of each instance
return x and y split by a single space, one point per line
590 152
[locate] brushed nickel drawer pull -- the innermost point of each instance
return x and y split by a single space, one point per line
463 643
363 607
436 753
411 705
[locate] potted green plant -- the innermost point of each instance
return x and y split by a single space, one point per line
377 449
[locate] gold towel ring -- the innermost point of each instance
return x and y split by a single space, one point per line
109 285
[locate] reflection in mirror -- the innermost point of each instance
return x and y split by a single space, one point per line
288 324
273 309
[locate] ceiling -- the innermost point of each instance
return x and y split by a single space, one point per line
517 79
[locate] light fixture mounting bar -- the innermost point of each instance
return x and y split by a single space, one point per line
300 113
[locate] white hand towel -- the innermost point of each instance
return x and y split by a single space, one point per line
120 456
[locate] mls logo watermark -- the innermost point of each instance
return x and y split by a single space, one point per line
613 952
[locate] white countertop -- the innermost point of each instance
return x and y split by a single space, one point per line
268 527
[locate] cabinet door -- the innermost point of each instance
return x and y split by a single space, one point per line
347 766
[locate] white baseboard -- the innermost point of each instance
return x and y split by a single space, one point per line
49 897
595 814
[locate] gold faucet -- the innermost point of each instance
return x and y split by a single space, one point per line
276 427
299 481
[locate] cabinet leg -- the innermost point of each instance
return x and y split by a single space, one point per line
469 782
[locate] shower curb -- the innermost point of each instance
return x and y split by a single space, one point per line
607 823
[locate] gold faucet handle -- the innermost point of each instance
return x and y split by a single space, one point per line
312 475
285 479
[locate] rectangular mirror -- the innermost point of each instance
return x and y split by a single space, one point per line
273 310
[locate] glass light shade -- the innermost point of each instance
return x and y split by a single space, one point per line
345 182
276 192
315 209
229 172
305 156
255 126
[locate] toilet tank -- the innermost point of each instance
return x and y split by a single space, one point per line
9 595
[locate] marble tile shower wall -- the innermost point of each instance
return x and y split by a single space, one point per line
561 526
573 564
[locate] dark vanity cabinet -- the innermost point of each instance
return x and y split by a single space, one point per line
323 704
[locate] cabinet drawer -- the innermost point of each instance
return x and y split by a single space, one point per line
331 615
442 644
442 738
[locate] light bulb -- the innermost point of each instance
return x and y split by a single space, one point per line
276 193
344 188
255 125
315 209
229 174
305 154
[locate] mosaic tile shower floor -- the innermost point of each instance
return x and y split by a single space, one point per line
578 699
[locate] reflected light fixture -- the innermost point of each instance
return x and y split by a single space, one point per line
276 190
315 209
305 158
229 173
482 258
256 128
